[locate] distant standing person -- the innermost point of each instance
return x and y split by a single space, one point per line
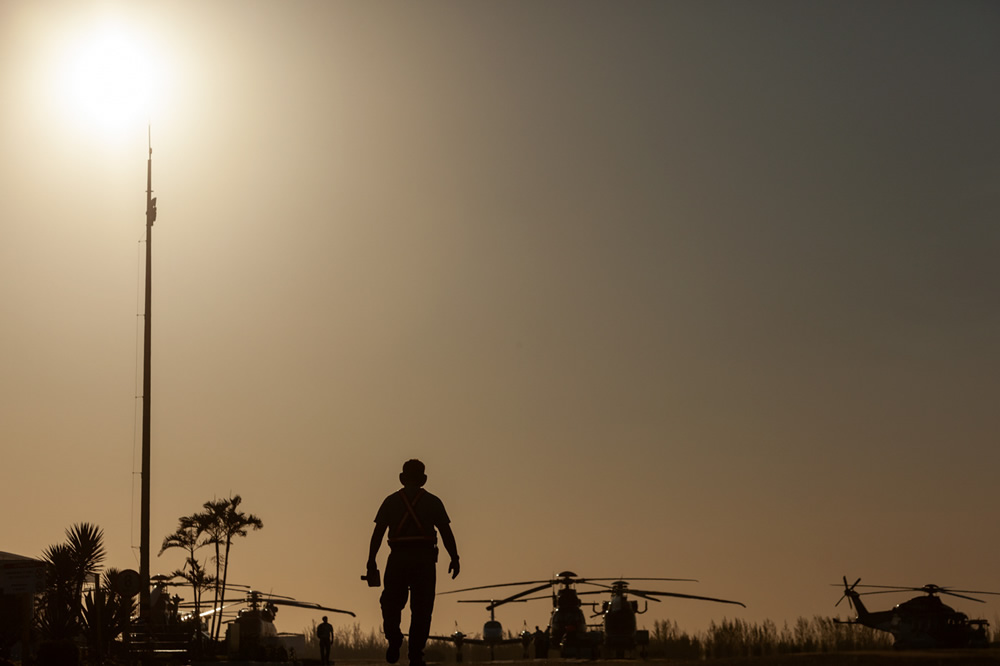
324 632
541 643
410 515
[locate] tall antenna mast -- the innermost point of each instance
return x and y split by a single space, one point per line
144 590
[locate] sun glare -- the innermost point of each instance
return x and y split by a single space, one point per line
108 79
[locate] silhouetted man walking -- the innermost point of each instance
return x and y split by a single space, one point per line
325 634
411 516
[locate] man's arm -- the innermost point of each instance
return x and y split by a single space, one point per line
448 539
375 544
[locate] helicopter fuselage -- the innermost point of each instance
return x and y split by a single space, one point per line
567 622
923 622
252 635
620 623
492 631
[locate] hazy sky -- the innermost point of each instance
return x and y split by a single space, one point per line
681 289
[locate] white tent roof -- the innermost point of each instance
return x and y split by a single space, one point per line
17 558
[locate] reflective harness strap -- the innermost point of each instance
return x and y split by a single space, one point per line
410 513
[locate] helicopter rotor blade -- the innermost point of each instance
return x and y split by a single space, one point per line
486 587
239 588
952 589
643 594
847 590
843 595
213 611
691 596
309 604
517 596
563 578
853 585
962 596
267 596
208 611
865 594
929 589
926 589
639 593
626 579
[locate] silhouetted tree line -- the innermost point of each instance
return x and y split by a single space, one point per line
739 638
725 639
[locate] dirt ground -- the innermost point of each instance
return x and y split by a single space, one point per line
989 657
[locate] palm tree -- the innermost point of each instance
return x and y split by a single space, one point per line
86 543
70 564
220 523
200 580
106 613
186 537
234 523
205 524
57 617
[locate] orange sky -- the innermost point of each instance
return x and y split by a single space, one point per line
655 289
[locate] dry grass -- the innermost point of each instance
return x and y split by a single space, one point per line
989 657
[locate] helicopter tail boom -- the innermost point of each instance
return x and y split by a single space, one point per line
854 601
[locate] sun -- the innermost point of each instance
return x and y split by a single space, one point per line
108 78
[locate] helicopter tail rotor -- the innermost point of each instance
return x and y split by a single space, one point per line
848 593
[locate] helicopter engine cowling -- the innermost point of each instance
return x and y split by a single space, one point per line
492 631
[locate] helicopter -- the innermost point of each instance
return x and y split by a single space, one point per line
921 622
618 613
252 635
492 635
568 625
